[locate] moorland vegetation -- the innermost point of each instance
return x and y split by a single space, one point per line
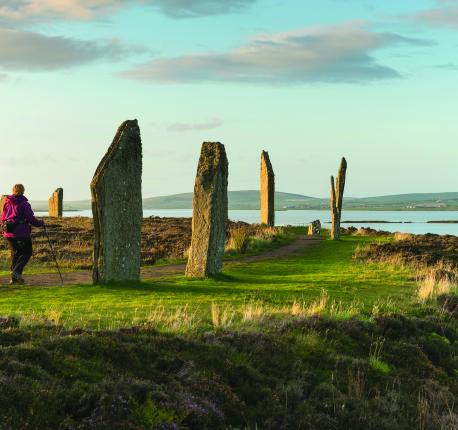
164 240
359 333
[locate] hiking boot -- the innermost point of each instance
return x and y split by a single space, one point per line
16 278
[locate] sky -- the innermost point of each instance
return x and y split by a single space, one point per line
309 81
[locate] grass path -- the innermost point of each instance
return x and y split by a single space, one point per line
156 272
271 284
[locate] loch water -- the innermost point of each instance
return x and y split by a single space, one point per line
402 221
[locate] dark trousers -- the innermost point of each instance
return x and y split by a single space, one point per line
21 251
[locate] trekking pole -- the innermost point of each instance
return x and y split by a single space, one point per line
53 255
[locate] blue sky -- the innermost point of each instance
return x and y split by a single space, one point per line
307 80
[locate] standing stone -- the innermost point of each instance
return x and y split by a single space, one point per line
209 212
267 191
117 208
314 228
2 203
56 203
337 191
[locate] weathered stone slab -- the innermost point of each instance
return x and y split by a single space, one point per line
117 208
267 190
314 228
337 192
2 202
56 203
210 208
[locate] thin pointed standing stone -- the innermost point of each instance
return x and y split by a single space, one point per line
337 191
117 208
267 191
210 206
56 203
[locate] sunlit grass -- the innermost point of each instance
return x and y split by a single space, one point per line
321 279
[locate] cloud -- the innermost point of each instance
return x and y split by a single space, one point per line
444 15
3 77
44 10
325 54
194 8
183 127
28 51
448 66
18 10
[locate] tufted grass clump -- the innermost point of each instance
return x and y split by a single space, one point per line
238 240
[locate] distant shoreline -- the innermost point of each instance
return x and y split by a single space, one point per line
38 209
249 200
401 222
379 222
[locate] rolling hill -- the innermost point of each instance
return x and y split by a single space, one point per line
249 200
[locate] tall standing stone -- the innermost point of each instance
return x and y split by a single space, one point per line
337 191
56 203
2 203
210 208
117 208
267 190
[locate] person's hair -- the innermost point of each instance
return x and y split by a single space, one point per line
18 190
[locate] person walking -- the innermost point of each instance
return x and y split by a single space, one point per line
16 219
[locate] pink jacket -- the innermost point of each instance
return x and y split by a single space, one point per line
17 208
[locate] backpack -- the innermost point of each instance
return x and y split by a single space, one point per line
9 225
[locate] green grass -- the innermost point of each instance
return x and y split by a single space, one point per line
33 268
379 365
265 345
273 285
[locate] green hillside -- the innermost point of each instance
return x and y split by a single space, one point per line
249 199
410 201
415 197
42 205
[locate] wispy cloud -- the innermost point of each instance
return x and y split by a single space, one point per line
3 77
43 10
183 127
29 51
448 66
444 15
19 10
342 53
195 8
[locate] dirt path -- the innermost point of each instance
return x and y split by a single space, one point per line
71 278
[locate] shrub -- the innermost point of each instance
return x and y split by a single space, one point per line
296 372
